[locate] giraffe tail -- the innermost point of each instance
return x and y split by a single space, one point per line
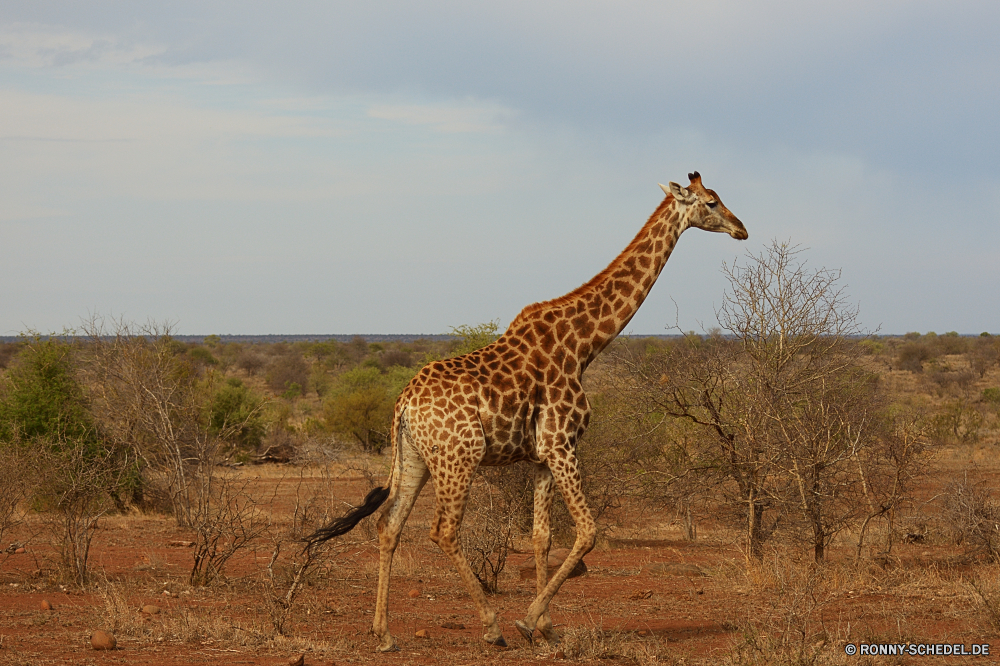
373 500
349 520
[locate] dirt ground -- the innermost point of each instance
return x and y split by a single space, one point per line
649 597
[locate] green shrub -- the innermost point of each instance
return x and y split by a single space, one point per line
361 407
42 396
471 338
236 415
202 355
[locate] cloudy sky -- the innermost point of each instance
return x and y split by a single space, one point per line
391 167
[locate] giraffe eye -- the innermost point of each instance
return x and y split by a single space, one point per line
712 204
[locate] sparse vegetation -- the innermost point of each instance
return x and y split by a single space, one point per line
101 433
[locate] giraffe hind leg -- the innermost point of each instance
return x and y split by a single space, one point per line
411 475
541 539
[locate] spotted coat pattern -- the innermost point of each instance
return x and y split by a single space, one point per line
521 398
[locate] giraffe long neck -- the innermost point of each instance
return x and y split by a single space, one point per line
588 318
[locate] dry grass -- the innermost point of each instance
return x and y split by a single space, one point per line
594 642
985 591
122 614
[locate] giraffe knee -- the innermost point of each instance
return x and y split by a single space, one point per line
445 535
388 539
587 537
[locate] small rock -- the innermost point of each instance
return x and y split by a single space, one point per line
453 625
103 640
559 655
19 551
422 633
150 609
47 605
414 593
643 633
297 660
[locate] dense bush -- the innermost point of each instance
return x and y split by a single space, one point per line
911 356
42 396
288 373
250 361
202 355
236 414
361 407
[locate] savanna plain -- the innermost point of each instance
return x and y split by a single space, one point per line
761 500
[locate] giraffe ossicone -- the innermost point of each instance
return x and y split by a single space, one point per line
521 399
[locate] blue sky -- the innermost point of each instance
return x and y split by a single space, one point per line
408 167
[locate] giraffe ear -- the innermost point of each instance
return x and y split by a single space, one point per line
682 194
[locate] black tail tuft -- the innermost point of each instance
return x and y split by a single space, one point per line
348 521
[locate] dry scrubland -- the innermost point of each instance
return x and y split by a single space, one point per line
158 490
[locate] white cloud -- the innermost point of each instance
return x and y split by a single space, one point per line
34 45
446 118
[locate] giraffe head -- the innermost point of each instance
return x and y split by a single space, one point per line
702 208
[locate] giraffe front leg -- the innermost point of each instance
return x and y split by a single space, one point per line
445 534
566 474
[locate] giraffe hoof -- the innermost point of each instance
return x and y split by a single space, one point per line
498 642
525 631
392 647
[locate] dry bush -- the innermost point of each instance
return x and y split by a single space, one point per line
288 373
984 354
17 479
959 420
488 530
911 356
395 357
190 626
589 643
279 445
8 350
973 516
226 519
147 399
986 593
250 361
512 488
286 577
785 427
76 487
789 628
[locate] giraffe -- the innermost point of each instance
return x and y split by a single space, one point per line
520 398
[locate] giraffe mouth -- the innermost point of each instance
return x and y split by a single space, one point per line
739 234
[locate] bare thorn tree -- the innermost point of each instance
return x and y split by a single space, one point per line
789 419
146 397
